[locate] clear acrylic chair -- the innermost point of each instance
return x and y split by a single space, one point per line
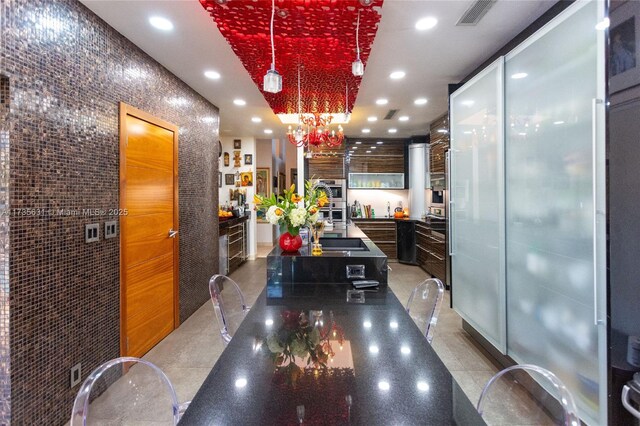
508 398
228 304
424 305
126 390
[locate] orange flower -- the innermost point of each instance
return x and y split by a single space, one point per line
279 212
313 210
322 200
296 198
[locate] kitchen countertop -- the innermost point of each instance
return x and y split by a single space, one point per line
225 223
436 223
362 387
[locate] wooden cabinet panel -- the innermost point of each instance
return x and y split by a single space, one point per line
439 143
383 234
330 167
385 157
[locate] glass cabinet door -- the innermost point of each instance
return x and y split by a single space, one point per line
477 204
553 82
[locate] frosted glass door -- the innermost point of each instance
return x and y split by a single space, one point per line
552 82
476 204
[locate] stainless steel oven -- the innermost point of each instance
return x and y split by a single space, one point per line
337 211
338 188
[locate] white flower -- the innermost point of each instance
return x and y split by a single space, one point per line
271 215
298 216
313 218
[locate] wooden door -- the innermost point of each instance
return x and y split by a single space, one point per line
148 241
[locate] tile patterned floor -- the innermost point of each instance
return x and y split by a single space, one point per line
188 354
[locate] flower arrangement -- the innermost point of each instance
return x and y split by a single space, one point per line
291 210
297 337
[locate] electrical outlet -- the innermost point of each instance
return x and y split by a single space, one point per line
92 233
76 374
355 271
110 229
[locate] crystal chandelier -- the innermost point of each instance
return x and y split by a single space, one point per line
313 130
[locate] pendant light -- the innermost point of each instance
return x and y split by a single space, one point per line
357 67
272 80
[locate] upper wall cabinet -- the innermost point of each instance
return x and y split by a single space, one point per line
377 163
327 163
439 144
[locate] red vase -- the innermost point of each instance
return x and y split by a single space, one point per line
289 243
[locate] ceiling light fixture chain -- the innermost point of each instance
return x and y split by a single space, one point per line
357 67
272 80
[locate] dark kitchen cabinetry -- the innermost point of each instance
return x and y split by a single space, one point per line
406 231
382 233
430 250
326 163
236 230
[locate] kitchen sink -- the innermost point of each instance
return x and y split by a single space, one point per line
343 244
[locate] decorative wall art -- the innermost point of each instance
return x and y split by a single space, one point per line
229 178
248 159
236 159
262 181
246 178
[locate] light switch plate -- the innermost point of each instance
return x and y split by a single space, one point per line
110 229
92 233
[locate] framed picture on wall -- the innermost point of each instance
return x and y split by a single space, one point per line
229 178
237 144
246 178
262 181
624 52
226 159
261 216
248 159
219 179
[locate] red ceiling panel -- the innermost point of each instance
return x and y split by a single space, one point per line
320 35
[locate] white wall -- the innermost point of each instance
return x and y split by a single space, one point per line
264 154
248 146
378 199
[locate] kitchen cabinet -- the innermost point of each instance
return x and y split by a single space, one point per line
326 163
236 231
382 233
430 250
406 232
439 144
383 157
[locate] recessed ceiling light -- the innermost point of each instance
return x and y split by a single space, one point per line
379 142
161 23
397 75
358 142
403 118
256 119
392 130
366 130
213 75
368 152
268 131
426 23
373 147
354 148
519 75
382 101
420 101
372 118
240 102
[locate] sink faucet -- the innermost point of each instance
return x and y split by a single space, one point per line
327 190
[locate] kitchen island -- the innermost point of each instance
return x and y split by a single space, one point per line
348 255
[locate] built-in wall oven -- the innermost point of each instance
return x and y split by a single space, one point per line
337 187
338 208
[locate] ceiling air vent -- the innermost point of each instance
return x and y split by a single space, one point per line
475 12
390 114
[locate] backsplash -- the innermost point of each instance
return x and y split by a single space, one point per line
378 199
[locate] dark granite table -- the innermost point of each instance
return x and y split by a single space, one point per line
386 366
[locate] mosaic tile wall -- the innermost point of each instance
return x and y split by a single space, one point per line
5 378
68 70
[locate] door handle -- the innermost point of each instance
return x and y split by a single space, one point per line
626 404
172 233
